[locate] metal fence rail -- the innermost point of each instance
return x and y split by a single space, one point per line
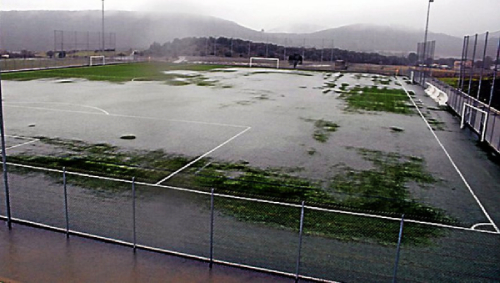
291 239
25 64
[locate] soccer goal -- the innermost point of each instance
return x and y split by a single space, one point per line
97 61
470 117
264 62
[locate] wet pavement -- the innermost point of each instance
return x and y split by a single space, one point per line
36 255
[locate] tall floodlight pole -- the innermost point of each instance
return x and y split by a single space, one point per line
425 36
103 27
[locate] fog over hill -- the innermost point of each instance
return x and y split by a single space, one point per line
34 30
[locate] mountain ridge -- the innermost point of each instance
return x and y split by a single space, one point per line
34 30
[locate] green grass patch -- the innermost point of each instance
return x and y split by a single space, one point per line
343 86
449 81
112 73
375 99
380 190
322 129
370 189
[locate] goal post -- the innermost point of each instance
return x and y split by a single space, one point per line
253 61
97 61
469 112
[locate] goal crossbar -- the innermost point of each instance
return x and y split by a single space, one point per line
91 58
264 59
462 122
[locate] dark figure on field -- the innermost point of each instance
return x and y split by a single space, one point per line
295 59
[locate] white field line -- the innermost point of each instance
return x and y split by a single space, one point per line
202 156
56 110
132 117
451 161
253 199
63 103
22 144
19 137
479 224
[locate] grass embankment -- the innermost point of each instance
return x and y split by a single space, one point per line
377 99
114 73
381 190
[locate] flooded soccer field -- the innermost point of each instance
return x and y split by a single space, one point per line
351 142
301 123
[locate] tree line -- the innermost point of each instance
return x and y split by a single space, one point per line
228 47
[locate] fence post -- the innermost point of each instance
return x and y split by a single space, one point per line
400 237
4 160
66 202
483 65
211 229
472 67
133 214
301 228
495 70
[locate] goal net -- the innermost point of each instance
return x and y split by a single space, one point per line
97 61
475 118
264 62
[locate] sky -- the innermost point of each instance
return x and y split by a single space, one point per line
454 17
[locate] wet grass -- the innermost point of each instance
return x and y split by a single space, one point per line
322 129
376 99
112 73
380 190
343 86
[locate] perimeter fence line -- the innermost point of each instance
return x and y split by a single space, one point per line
289 239
33 64
470 109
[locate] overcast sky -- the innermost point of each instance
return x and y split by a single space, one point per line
455 17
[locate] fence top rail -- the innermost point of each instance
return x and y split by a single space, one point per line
360 214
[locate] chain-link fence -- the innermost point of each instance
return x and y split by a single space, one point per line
293 239
479 116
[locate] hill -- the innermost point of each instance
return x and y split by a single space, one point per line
34 30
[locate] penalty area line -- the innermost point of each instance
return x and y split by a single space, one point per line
480 224
202 156
451 160
22 144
